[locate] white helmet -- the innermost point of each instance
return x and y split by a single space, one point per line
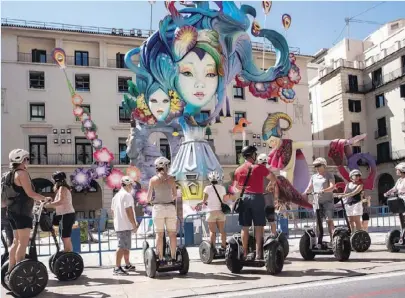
262 158
214 176
126 180
18 155
400 167
354 172
161 162
320 161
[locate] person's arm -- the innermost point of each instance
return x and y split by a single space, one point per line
150 190
358 190
392 190
174 190
204 201
129 210
62 193
25 182
331 187
310 187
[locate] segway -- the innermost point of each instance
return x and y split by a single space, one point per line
312 244
395 239
272 249
153 265
65 266
208 252
29 277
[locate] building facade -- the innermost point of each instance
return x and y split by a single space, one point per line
358 86
37 110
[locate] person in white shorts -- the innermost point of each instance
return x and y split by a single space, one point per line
352 200
215 217
162 188
122 208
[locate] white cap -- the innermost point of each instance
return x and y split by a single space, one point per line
354 173
126 180
400 167
320 161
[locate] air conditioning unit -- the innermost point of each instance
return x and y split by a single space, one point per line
114 31
121 31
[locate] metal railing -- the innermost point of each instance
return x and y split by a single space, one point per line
359 89
70 60
72 159
381 132
258 46
385 79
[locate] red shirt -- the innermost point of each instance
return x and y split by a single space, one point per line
256 181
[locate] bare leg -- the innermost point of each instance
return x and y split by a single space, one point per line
357 222
126 257
173 243
365 225
331 228
273 228
259 241
212 226
352 224
221 228
245 240
67 244
159 244
24 238
12 251
118 257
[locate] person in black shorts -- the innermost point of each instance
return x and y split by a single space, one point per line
65 213
19 211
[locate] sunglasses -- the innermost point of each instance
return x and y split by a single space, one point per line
317 166
27 159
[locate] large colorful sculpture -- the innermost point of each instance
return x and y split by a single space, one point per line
188 63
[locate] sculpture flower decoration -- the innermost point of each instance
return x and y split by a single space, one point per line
81 178
101 170
97 143
114 179
141 196
103 155
142 112
134 173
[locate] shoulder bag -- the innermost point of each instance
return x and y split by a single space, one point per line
224 207
239 202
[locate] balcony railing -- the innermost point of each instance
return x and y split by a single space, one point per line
381 132
73 159
70 60
385 79
355 89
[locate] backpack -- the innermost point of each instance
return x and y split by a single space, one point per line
7 190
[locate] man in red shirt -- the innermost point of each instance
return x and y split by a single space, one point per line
253 205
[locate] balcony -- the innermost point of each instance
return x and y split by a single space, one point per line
114 63
70 60
359 89
389 77
381 132
72 159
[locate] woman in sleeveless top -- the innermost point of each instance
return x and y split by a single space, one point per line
65 213
164 213
353 204
20 211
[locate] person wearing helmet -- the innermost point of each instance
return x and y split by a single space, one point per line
65 213
352 200
253 204
323 183
164 214
122 208
271 193
20 211
399 186
213 195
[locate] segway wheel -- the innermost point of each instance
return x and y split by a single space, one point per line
206 252
28 278
305 248
231 258
392 238
68 266
274 258
360 241
341 247
51 261
4 270
284 242
185 260
145 246
150 263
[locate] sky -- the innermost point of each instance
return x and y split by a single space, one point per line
315 25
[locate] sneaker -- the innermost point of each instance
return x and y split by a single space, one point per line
129 267
120 271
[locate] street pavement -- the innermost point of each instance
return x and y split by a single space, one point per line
215 279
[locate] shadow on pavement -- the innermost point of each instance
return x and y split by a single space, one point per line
320 272
198 275
83 295
86 281
332 259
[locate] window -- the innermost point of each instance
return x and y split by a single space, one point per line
119 60
38 56
238 149
122 149
356 149
274 99
86 109
238 92
37 111
380 101
37 80
354 106
238 116
82 82
353 85
164 148
204 115
355 129
38 147
382 127
123 84
310 97
402 91
124 115
82 58
377 78
403 64
383 152
83 151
